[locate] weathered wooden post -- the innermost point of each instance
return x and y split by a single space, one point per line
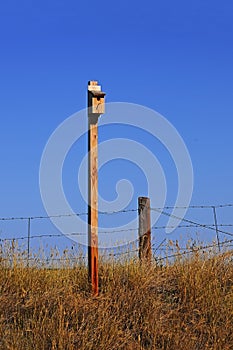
96 107
144 229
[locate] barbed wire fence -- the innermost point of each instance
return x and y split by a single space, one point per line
161 250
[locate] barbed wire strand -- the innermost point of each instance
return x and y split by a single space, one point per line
67 259
51 259
113 212
193 250
50 235
155 249
191 222
64 215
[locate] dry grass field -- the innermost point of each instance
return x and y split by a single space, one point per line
183 305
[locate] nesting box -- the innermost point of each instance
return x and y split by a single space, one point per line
96 99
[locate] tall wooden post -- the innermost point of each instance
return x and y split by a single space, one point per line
144 229
95 108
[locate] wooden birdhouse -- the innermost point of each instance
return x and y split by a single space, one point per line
96 99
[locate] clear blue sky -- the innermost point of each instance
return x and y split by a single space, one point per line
174 57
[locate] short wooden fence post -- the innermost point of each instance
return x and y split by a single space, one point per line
144 231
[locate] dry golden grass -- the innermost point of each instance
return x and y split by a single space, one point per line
185 305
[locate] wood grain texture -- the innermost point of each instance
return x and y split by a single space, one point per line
93 203
144 229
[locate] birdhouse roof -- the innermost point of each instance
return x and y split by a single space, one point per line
98 93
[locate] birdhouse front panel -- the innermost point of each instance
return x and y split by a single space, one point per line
98 105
